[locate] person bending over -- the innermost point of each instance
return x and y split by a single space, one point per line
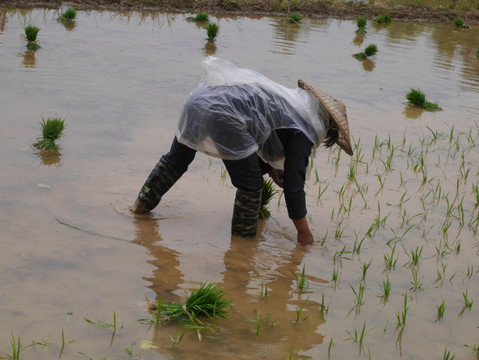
257 127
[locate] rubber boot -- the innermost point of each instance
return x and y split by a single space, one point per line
245 213
161 179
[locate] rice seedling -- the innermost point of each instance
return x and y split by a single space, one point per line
361 23
340 254
358 338
415 255
390 260
357 245
416 283
264 290
474 348
401 316
335 275
330 346
44 343
418 98
52 130
294 19
68 15
383 19
467 302
321 191
17 348
447 354
31 33
267 195
176 340
299 312
359 299
302 282
440 310
212 31
386 286
369 51
64 343
200 17
365 266
112 327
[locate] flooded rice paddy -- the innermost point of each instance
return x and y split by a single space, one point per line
395 270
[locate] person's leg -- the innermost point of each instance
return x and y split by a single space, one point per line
246 176
165 173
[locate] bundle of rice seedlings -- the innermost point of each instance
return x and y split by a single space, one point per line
31 33
383 19
370 50
207 302
68 15
212 31
267 195
293 19
200 17
52 130
418 98
361 22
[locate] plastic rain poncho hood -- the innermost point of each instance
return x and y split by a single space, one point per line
233 113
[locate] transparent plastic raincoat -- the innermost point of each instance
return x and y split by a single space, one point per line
234 112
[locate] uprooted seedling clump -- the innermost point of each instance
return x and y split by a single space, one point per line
418 98
206 302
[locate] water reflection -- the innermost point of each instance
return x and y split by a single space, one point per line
412 112
210 48
166 276
29 60
286 36
49 158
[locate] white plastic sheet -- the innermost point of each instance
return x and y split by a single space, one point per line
234 112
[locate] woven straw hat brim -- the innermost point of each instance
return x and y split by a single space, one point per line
337 112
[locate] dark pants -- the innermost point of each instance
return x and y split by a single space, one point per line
246 174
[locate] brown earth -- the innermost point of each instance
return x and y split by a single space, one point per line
313 8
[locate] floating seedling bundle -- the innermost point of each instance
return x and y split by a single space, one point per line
206 302
68 15
52 130
418 98
31 33
370 50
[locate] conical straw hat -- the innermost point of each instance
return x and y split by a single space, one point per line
337 113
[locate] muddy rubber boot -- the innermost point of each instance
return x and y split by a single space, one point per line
161 179
245 213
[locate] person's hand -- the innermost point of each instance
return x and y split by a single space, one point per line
277 176
304 234
305 238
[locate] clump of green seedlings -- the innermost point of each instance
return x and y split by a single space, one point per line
208 301
267 195
212 31
383 19
418 98
361 22
200 17
52 130
458 22
68 15
31 33
370 50
294 19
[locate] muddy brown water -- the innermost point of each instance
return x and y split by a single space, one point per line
71 250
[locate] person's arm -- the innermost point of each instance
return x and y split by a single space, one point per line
297 151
